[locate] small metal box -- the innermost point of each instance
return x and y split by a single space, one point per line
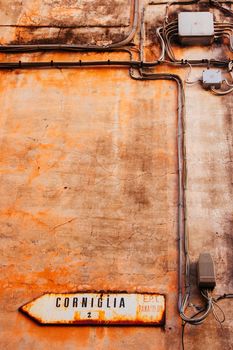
196 28
212 78
205 272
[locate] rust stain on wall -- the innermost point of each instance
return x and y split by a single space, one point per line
71 22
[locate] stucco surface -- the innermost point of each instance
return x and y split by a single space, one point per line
64 21
88 171
88 188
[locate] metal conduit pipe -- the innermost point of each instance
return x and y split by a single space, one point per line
68 64
106 63
67 47
182 238
72 64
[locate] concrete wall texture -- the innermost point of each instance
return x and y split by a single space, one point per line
88 164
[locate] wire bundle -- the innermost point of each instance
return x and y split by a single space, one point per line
169 31
165 34
210 304
222 30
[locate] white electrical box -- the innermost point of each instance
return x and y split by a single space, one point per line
212 78
196 28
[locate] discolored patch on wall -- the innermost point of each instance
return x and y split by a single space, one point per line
71 22
65 13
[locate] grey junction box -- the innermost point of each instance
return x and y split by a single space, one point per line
212 78
205 272
196 28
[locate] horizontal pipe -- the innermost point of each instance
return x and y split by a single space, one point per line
105 63
68 64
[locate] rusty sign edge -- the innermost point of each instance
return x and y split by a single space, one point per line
97 323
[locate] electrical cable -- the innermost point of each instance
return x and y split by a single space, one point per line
142 29
182 229
224 296
80 63
169 30
182 335
76 64
205 312
215 303
162 43
220 321
226 80
221 92
227 83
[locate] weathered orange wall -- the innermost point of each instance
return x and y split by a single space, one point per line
89 195
88 191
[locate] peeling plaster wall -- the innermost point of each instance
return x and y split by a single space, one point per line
89 179
64 21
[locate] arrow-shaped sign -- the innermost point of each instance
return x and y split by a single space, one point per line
97 308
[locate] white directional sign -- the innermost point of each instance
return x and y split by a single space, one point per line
97 308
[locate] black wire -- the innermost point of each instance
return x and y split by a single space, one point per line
221 297
182 335
184 324
224 296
